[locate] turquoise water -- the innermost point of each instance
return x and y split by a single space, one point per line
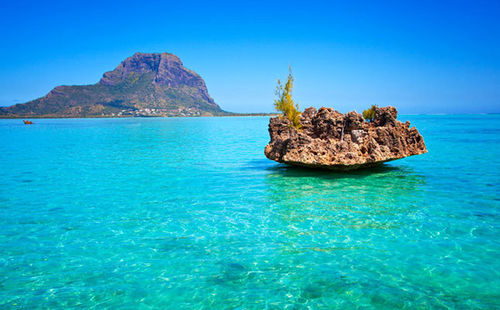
187 213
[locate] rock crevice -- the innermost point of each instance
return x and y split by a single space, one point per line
332 140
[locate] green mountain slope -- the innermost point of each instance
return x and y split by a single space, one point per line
144 84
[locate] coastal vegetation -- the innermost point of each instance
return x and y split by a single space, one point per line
369 114
285 103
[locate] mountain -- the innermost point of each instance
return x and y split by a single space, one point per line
142 85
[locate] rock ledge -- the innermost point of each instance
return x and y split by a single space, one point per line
336 141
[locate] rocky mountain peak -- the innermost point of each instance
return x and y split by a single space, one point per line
142 83
164 66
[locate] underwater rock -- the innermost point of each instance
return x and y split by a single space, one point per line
332 140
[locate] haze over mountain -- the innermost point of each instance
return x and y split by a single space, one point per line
144 84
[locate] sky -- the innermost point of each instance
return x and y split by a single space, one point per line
419 56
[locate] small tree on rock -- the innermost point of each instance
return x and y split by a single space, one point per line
369 114
285 104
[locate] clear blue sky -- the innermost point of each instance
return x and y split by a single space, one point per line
420 56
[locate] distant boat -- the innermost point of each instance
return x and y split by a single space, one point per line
27 122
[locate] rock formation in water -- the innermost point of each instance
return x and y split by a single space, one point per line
332 140
143 84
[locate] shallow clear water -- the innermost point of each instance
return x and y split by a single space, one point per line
187 213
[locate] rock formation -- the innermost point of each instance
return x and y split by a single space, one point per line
332 140
143 84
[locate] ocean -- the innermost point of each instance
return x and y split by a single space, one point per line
187 213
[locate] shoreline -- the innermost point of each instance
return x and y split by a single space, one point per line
143 116
195 116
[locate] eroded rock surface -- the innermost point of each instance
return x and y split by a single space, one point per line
332 140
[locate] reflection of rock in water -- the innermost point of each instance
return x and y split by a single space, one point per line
328 236
318 205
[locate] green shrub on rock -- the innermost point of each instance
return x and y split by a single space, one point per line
369 114
285 103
